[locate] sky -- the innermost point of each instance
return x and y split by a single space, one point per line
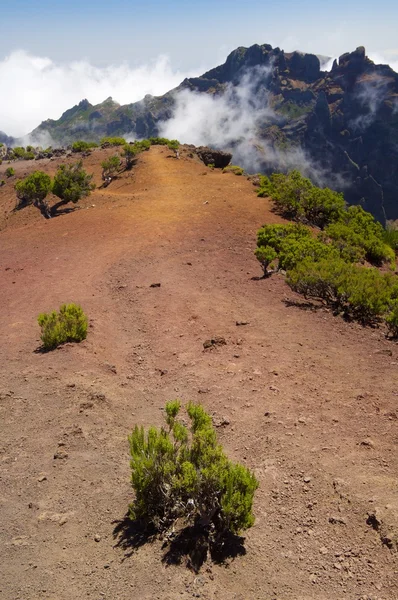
53 53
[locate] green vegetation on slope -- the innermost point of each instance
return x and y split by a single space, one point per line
68 325
181 472
325 267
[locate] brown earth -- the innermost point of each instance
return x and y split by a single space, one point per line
307 401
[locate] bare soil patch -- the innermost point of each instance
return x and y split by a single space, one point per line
306 400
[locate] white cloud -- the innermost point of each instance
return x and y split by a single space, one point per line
386 58
36 88
221 120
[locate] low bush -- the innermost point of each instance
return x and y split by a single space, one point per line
233 169
297 198
113 141
361 293
18 152
292 244
82 146
390 237
160 141
130 151
71 183
68 325
265 256
111 166
33 189
181 473
359 236
10 172
274 235
392 320
173 145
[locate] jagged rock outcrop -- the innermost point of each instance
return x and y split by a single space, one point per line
344 122
214 157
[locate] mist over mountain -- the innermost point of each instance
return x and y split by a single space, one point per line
274 111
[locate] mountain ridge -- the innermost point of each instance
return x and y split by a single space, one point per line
338 126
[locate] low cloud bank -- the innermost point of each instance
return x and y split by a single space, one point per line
35 88
233 122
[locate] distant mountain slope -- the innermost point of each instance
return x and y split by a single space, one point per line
341 127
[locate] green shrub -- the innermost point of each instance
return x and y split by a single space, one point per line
71 183
265 256
361 293
113 141
68 325
297 198
233 169
295 250
181 472
173 145
357 233
273 235
390 237
33 189
2 182
110 166
10 172
160 141
392 319
265 189
81 146
18 152
129 153
142 145
293 243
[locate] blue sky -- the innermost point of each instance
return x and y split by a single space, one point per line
53 53
192 34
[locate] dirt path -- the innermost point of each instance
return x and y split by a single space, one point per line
308 401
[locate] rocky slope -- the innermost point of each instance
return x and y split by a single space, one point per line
340 126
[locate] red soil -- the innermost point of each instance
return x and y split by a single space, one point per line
311 400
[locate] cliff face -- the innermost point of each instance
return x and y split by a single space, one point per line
344 120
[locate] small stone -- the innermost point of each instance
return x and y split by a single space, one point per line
242 323
63 520
302 420
368 443
42 478
307 479
60 455
323 550
337 521
97 538
213 342
155 285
